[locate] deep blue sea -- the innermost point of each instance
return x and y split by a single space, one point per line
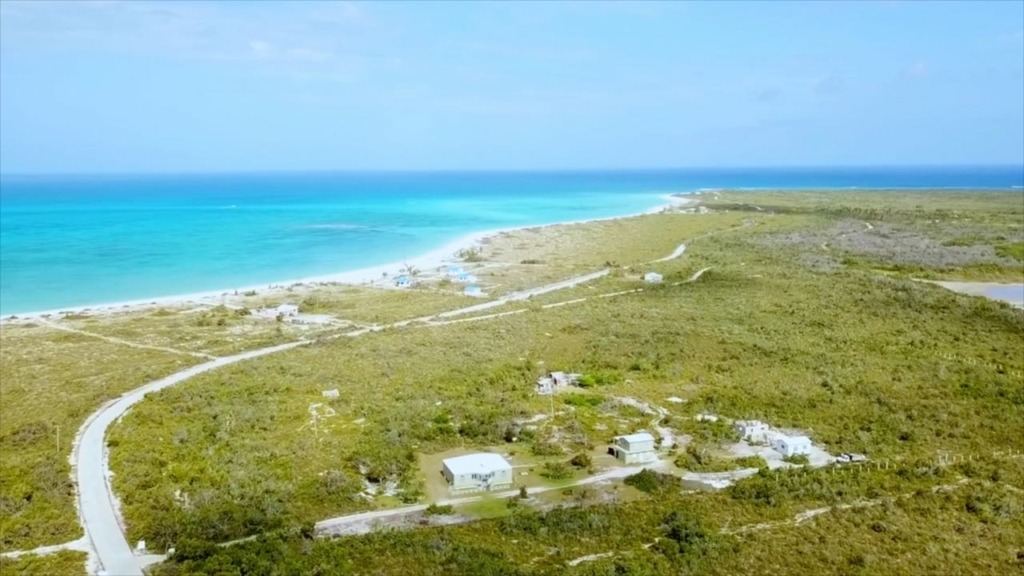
85 240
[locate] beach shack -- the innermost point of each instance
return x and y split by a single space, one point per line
752 431
549 383
473 291
477 472
792 445
403 281
652 278
634 448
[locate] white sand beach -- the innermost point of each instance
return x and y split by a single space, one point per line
381 276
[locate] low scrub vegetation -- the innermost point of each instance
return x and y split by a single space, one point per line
870 362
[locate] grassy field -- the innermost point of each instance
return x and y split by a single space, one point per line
863 362
63 563
938 521
51 381
836 340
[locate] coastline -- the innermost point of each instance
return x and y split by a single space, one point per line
372 276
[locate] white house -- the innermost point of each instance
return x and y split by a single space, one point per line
403 281
652 278
792 445
483 471
563 380
752 430
634 448
466 278
288 310
549 383
473 291
454 270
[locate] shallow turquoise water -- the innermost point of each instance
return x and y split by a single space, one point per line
85 240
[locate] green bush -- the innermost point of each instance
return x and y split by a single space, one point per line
652 482
581 460
583 400
439 509
698 458
543 448
800 459
750 462
556 471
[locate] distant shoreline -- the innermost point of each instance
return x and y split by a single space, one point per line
366 276
381 275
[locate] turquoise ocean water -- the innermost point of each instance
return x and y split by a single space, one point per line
85 240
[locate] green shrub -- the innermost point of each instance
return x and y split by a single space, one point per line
581 460
543 448
439 509
583 400
556 471
698 458
800 459
750 462
652 482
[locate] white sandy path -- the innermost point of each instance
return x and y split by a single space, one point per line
679 251
96 502
80 545
57 326
98 506
525 294
358 523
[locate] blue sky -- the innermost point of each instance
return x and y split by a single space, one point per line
109 86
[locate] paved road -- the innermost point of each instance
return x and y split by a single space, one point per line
96 503
525 294
338 524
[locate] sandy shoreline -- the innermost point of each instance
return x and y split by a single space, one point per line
379 275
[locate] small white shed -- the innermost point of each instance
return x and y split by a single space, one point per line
288 310
634 448
752 430
792 445
482 471
652 278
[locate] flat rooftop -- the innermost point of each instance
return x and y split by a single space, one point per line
482 462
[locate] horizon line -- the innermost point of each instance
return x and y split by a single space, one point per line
229 172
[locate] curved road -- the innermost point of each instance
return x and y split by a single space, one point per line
96 503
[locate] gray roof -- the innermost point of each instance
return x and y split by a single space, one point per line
481 463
